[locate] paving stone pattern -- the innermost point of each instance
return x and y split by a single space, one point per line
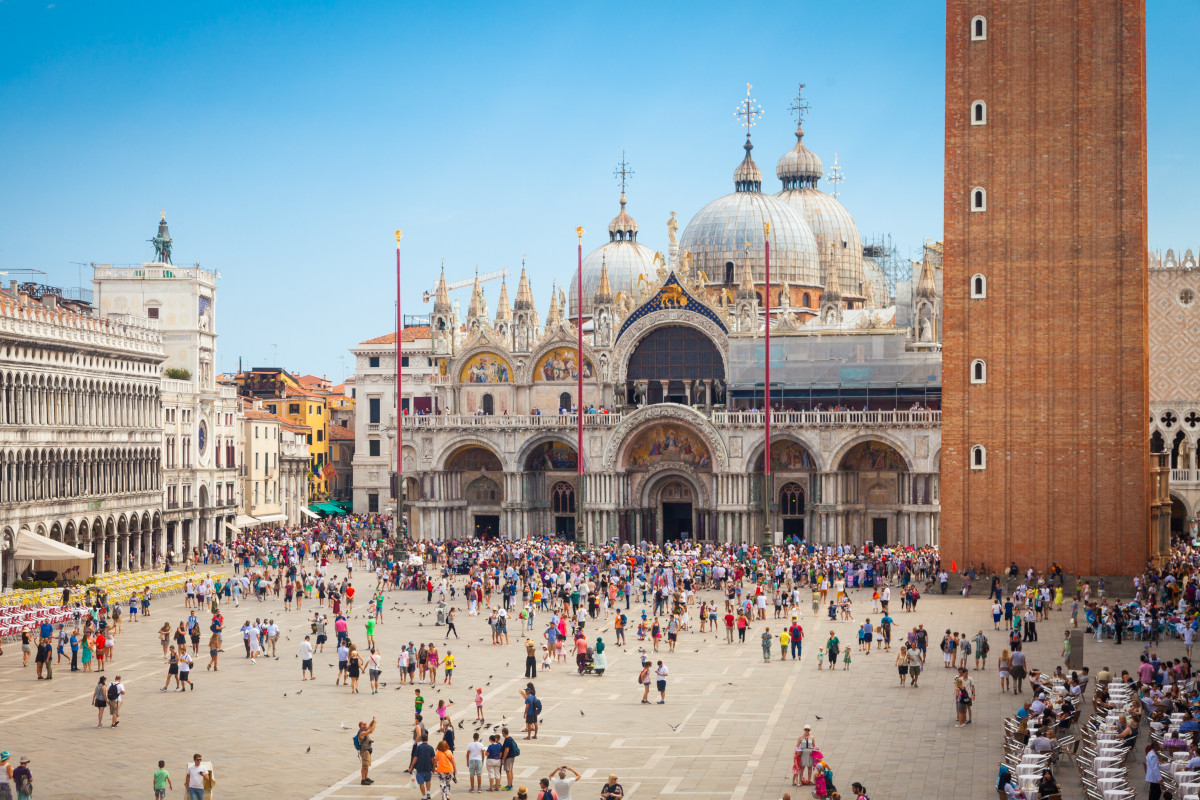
728 729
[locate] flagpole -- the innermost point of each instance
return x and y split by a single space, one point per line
579 375
397 530
768 483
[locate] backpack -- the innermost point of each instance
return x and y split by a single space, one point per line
357 745
966 648
537 707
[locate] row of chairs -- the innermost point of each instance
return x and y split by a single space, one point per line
1102 759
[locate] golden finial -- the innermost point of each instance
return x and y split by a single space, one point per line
164 216
399 236
579 231
767 229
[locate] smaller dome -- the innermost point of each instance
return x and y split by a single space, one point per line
747 177
623 227
799 168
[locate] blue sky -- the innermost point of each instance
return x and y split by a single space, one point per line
287 141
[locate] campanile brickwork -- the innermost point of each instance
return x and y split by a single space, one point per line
1058 153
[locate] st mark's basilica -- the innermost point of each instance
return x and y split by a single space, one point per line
673 367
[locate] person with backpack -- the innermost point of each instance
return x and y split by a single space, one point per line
22 778
364 746
533 709
509 757
545 792
115 696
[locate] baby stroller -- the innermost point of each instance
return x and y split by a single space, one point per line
595 664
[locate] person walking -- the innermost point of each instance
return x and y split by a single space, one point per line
424 760
162 778
805 763
447 770
644 680
199 778
100 700
661 673
450 615
115 696
364 746
22 778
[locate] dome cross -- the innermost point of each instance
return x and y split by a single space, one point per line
623 173
749 111
800 107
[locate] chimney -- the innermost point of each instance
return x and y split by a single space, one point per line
50 301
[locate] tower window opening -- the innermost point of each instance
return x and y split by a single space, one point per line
978 287
979 29
978 199
979 113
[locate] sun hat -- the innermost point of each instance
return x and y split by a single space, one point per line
5 755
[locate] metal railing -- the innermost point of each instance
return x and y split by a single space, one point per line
748 419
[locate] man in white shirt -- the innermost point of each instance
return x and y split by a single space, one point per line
272 636
195 779
475 763
661 671
561 783
306 659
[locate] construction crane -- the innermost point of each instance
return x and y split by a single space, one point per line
484 278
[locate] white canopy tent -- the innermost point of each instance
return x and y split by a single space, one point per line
307 513
47 554
273 518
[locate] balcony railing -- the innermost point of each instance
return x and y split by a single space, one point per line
1183 475
748 419
830 419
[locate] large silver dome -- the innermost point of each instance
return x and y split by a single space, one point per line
625 259
836 233
728 233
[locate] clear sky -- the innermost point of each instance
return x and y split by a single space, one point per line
286 141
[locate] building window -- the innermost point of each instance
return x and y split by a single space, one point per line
564 401
152 312
978 371
729 272
404 361
320 434
489 405
373 502
563 498
293 408
373 447
978 457
373 361
979 199
978 29
978 286
807 300
373 410
979 113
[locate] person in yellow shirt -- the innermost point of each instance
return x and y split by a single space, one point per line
784 641
448 666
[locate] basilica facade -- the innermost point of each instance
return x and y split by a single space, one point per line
674 435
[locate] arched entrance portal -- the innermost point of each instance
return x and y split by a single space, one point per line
677 508
480 476
791 510
873 480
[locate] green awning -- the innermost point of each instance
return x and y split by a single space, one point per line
326 508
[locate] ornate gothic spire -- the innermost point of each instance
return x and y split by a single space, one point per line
604 293
476 307
927 285
503 312
441 301
524 295
553 316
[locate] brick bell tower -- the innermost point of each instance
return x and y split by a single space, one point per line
1045 451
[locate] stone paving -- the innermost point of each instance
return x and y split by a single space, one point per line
728 728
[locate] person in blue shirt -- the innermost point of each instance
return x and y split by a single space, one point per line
494 751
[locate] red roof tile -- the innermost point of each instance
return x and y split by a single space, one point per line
411 334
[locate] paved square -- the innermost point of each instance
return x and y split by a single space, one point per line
728 729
